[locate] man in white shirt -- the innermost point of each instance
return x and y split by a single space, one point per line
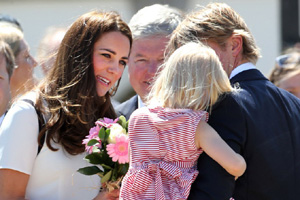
7 64
151 27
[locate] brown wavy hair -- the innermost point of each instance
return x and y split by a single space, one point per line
68 93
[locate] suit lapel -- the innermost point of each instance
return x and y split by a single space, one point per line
128 107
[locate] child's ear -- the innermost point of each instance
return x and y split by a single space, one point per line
237 44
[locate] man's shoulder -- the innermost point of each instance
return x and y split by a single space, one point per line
265 91
231 98
230 108
130 102
289 100
127 107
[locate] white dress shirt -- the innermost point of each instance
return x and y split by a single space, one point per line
1 119
140 102
241 68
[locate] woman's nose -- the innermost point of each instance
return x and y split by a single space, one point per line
114 67
34 62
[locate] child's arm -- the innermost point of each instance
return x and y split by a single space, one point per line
214 146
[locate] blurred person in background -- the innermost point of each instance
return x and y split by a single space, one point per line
48 47
7 19
7 64
151 27
22 79
286 72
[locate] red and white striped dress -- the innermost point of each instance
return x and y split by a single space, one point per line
163 155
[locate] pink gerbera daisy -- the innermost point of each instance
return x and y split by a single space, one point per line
119 150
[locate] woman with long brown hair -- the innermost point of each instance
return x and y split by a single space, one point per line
75 93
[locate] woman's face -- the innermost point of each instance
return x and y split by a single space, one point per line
110 56
291 83
23 74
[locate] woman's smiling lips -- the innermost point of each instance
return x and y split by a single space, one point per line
103 80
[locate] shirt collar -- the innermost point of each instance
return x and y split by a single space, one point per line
241 68
140 102
1 118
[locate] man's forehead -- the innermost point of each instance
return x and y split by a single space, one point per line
145 46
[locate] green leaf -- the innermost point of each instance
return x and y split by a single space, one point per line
91 170
106 166
100 158
115 172
102 134
123 168
101 174
94 158
106 177
122 121
107 133
92 142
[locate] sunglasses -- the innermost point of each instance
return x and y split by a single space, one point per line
10 19
282 60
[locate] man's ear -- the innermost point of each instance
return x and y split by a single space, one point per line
237 44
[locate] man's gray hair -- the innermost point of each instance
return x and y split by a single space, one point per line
155 20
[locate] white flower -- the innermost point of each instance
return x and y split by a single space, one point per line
115 130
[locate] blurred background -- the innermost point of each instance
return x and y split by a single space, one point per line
274 23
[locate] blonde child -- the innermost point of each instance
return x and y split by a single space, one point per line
168 136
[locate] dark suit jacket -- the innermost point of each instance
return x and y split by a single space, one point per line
262 123
126 108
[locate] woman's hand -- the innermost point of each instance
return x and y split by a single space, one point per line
105 195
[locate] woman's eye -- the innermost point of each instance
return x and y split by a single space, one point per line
106 55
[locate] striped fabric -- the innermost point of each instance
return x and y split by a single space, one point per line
163 154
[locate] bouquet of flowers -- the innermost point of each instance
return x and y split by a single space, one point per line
107 145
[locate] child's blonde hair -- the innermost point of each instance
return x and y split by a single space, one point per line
192 77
